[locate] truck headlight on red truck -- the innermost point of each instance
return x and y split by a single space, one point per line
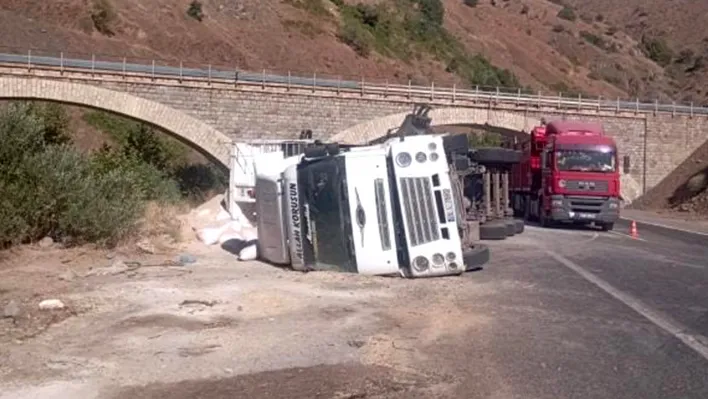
562 183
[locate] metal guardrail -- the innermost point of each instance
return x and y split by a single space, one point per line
410 91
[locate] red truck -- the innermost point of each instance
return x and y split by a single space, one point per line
568 174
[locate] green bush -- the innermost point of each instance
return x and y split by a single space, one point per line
103 15
657 50
51 189
195 10
567 13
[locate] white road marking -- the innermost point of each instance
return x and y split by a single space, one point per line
617 233
666 227
662 321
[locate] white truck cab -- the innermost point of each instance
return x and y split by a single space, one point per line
381 209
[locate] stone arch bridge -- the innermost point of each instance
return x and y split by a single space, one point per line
210 114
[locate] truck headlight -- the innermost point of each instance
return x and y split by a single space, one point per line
451 256
438 259
432 146
421 157
404 159
421 264
433 156
562 183
557 203
613 205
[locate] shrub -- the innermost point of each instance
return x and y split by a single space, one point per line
103 15
485 139
51 189
657 50
567 13
195 10
471 3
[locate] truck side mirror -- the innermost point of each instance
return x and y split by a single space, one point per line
625 164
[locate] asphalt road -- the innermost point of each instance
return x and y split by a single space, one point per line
557 314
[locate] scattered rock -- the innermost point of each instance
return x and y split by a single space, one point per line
46 242
51 304
68 275
188 302
12 309
187 259
146 247
355 343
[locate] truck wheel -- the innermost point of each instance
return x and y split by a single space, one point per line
315 151
519 226
510 227
332 148
493 230
475 257
496 155
607 226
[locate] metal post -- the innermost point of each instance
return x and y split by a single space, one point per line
580 100
181 73
673 108
233 165
386 89
263 79
209 76
538 99
314 81
29 60
487 194
496 97
505 192
61 62
409 88
599 101
153 70
636 106
691 109
617 108
339 83
93 64
476 93
518 97
124 68
656 107
289 80
454 89
432 90
495 193
361 85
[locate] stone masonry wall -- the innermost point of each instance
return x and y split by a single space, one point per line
656 144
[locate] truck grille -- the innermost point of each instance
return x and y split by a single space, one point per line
381 214
586 204
419 210
587 185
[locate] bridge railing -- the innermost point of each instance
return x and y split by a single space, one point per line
454 92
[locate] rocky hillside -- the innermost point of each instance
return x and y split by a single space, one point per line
591 46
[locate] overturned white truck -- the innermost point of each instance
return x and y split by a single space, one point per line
388 208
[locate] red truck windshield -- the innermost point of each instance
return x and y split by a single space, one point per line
594 159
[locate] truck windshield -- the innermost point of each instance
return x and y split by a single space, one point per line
328 208
586 160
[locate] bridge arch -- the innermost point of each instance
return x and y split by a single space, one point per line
203 137
375 128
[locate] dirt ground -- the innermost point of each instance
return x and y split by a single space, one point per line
684 192
139 325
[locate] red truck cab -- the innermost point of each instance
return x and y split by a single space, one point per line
568 174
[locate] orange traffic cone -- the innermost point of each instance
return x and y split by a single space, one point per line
633 230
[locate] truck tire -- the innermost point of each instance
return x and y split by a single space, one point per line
493 230
456 144
510 227
315 151
607 226
476 257
496 155
519 225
